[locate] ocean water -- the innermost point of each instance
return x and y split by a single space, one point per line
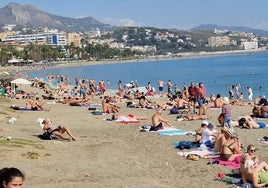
217 73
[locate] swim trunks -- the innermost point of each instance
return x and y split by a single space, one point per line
262 125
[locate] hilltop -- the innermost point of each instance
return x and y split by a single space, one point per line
31 17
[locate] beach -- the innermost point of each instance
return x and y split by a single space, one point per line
106 153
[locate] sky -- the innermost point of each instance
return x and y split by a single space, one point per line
180 14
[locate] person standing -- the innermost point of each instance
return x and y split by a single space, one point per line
192 90
200 94
226 112
169 87
250 93
119 85
237 92
161 87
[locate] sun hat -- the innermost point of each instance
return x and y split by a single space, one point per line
204 122
227 131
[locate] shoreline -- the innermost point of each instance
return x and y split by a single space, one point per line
188 55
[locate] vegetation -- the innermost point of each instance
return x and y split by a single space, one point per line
160 41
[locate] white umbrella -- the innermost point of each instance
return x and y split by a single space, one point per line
21 81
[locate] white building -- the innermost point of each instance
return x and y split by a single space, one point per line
53 39
250 45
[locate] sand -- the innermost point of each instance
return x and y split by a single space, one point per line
108 154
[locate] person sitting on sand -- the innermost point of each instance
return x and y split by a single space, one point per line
181 103
248 122
158 121
249 158
57 130
230 147
38 104
218 102
257 178
208 135
199 132
264 110
109 107
259 101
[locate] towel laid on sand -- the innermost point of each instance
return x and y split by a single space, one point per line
174 131
201 153
233 164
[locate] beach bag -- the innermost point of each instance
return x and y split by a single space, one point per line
174 111
46 136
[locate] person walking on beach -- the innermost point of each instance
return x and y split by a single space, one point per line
169 87
226 112
250 93
192 90
161 87
237 92
119 85
231 92
83 88
200 94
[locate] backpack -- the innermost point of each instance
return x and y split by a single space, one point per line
46 136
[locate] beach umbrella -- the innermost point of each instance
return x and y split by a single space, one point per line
52 86
21 81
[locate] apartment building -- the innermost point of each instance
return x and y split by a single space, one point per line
53 39
219 41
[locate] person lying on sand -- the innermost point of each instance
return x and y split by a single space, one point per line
248 122
130 117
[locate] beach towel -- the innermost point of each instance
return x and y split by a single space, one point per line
96 112
233 164
201 153
173 131
126 120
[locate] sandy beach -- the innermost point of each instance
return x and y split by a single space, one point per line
108 154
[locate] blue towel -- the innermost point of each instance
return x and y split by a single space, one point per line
172 132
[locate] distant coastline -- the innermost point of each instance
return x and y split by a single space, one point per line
157 58
187 55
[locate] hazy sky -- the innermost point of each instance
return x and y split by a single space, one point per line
180 14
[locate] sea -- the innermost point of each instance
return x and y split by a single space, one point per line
217 73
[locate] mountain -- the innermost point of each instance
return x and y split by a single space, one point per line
31 17
231 28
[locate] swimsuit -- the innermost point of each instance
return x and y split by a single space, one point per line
224 156
156 128
261 124
263 177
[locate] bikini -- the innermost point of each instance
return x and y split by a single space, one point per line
224 156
